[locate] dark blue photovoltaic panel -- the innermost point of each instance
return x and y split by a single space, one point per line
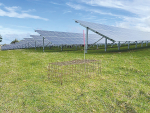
67 38
39 40
115 33
17 45
30 41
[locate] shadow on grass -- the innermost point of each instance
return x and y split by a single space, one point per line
92 50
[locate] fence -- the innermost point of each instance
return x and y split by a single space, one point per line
75 68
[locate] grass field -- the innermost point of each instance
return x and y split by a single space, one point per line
123 86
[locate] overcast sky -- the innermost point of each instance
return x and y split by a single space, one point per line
19 18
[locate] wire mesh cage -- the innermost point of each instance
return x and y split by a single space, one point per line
76 69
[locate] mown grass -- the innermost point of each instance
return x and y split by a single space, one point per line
123 86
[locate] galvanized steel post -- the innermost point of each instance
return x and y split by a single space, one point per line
146 43
142 44
136 44
61 47
76 47
35 45
128 44
86 40
119 45
43 44
105 44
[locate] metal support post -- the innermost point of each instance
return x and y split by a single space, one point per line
146 43
61 47
142 44
86 40
136 44
28 45
119 45
43 44
35 45
128 44
105 44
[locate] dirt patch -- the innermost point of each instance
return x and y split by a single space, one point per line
73 62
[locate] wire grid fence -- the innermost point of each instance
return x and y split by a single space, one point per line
75 68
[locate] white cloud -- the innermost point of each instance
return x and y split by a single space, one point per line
81 7
15 12
67 12
33 0
1 4
12 9
16 32
76 7
7 38
135 23
29 10
55 3
139 8
106 3
9 34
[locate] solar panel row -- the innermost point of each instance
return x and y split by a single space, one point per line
67 38
103 35
52 38
115 33
26 43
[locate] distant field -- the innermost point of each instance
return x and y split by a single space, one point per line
123 86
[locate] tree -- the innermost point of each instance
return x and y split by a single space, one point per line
1 38
14 41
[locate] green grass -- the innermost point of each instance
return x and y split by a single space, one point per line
123 86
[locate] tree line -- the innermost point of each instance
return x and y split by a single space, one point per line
1 38
13 42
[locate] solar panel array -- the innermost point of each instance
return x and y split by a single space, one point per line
67 38
35 41
115 33
31 42
54 38
39 40
18 45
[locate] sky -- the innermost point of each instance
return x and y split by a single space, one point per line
20 18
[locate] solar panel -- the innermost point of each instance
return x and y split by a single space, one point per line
20 44
17 45
39 40
31 42
67 38
116 33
